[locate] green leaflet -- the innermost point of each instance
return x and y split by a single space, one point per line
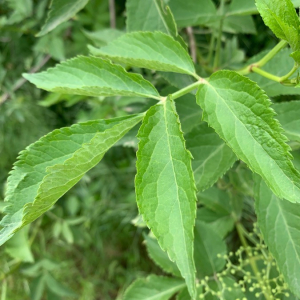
47 169
154 288
152 50
279 66
103 36
219 211
242 7
239 24
222 224
278 221
232 56
217 200
191 12
212 157
184 294
188 110
208 244
91 76
160 257
177 80
239 112
165 186
60 12
155 17
281 17
18 246
20 11
296 57
288 115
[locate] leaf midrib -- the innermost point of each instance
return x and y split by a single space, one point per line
175 178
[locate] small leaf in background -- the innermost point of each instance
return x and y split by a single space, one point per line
37 288
184 294
91 76
279 66
288 115
221 210
209 250
154 287
165 186
179 81
220 223
156 17
60 12
240 113
231 56
212 157
73 151
296 57
189 113
152 50
278 221
67 233
191 12
103 37
242 7
239 24
19 247
281 17
160 257
216 200
57 288
20 10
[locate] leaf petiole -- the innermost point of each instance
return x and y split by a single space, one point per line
283 79
188 88
264 60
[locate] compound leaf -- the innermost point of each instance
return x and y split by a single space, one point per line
278 221
154 288
92 76
280 16
152 50
165 186
47 169
212 157
60 12
239 112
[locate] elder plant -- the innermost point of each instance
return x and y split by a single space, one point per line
177 156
